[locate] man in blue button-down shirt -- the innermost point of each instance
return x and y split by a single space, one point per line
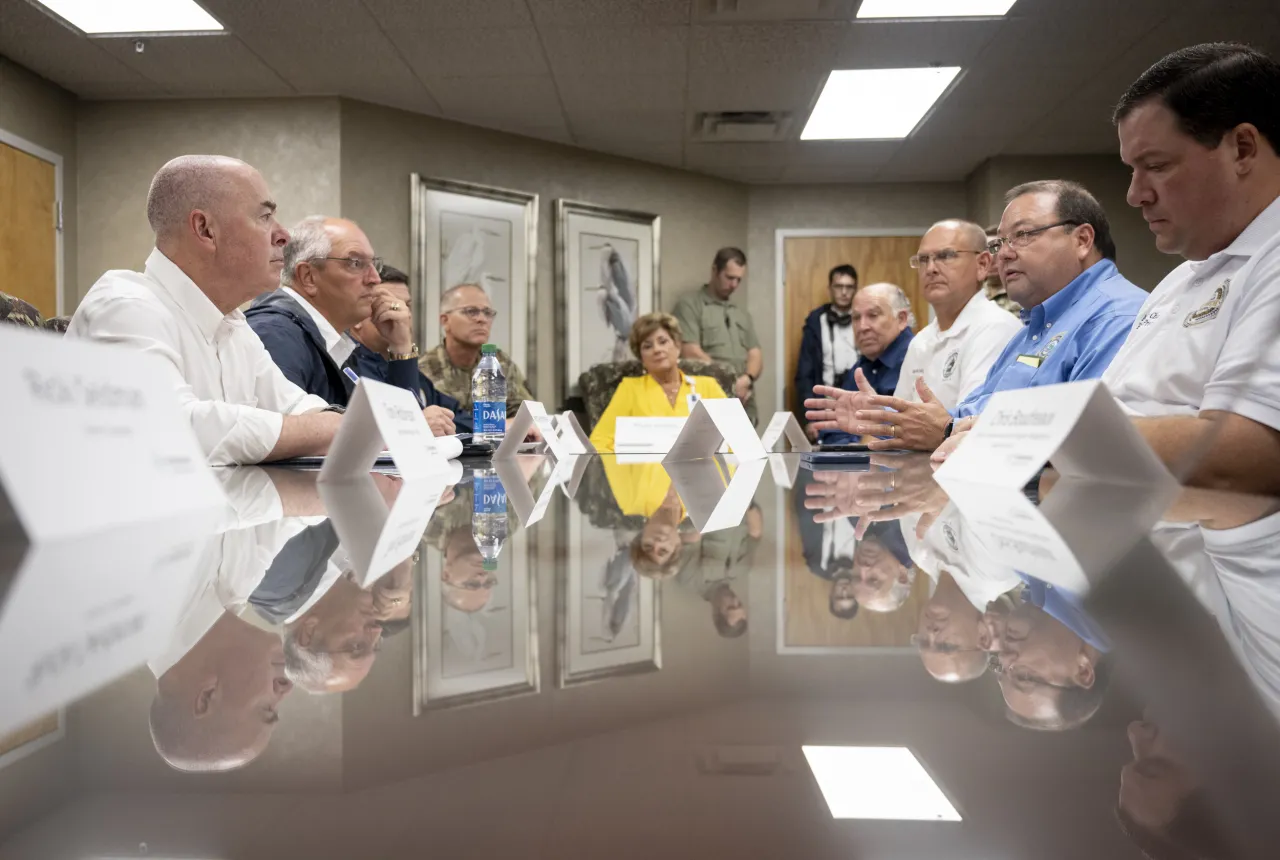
1056 258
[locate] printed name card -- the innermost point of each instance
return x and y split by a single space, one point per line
377 539
785 424
1077 425
531 414
382 417
646 435
713 423
716 495
93 438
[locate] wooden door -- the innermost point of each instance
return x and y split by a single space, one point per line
809 259
28 229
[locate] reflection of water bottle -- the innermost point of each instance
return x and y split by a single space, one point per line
488 515
489 397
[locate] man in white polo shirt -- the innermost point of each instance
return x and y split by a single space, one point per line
953 354
1201 130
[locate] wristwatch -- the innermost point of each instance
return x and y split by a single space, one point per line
951 425
397 356
334 407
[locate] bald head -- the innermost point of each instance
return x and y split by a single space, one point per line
967 234
191 182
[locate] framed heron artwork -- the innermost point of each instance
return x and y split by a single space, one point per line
606 276
465 233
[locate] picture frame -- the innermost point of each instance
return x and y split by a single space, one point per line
464 232
607 252
588 602
482 656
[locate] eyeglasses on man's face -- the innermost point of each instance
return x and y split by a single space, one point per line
944 257
354 263
1023 238
476 314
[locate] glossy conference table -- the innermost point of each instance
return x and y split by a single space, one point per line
621 684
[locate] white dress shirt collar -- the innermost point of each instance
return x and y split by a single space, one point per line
338 344
1261 230
188 296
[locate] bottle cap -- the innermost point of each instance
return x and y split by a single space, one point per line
490 564
489 349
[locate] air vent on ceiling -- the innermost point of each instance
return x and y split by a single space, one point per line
737 126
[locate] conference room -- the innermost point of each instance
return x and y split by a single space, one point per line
814 428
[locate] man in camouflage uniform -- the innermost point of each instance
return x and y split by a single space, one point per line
993 287
715 329
14 310
466 315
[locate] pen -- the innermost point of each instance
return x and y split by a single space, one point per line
351 374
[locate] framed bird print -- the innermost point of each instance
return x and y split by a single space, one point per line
465 233
606 276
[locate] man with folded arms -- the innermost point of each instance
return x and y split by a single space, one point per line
1200 130
1055 255
330 283
218 245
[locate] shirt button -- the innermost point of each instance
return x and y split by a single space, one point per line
1048 325
1035 337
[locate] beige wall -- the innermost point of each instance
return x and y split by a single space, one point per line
294 142
381 147
834 207
1105 176
45 114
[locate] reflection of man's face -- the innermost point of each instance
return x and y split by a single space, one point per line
1156 783
730 607
343 625
1039 658
876 571
467 585
950 634
842 592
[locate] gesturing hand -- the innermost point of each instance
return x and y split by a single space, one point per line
910 426
835 408
954 441
440 420
392 319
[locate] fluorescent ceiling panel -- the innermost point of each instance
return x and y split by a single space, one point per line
99 17
934 8
879 783
875 104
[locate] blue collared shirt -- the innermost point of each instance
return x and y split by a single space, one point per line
882 372
1072 335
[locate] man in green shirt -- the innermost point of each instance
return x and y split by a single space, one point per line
716 329
466 315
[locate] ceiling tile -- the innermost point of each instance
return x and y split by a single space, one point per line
617 50
31 38
635 92
765 48
625 124
889 45
415 17
524 99
199 65
472 53
609 13
795 91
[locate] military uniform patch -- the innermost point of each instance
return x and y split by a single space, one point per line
950 366
1209 310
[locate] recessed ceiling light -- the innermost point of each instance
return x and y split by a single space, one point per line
934 8
879 783
875 104
100 17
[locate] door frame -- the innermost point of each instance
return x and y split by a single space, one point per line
35 149
780 237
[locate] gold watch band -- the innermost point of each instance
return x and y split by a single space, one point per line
397 356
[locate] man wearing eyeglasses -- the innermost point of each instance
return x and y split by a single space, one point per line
466 316
1056 257
329 284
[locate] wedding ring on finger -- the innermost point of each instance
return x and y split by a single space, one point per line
395 306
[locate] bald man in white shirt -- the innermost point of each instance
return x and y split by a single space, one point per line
1201 131
218 245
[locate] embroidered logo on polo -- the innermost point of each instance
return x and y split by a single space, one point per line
1209 310
949 535
1050 346
950 367
1147 319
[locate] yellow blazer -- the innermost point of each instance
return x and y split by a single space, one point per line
643 397
638 488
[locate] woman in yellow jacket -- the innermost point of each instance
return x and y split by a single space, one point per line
664 391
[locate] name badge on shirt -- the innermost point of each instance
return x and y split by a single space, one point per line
1030 360
693 397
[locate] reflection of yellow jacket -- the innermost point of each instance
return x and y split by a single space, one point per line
643 397
638 488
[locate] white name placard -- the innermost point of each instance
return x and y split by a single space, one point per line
575 439
382 417
1077 425
715 493
531 414
713 423
646 435
784 424
93 438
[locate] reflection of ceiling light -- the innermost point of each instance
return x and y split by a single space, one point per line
934 8
875 104
877 782
97 17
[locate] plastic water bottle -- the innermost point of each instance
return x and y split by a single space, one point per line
489 397
488 515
